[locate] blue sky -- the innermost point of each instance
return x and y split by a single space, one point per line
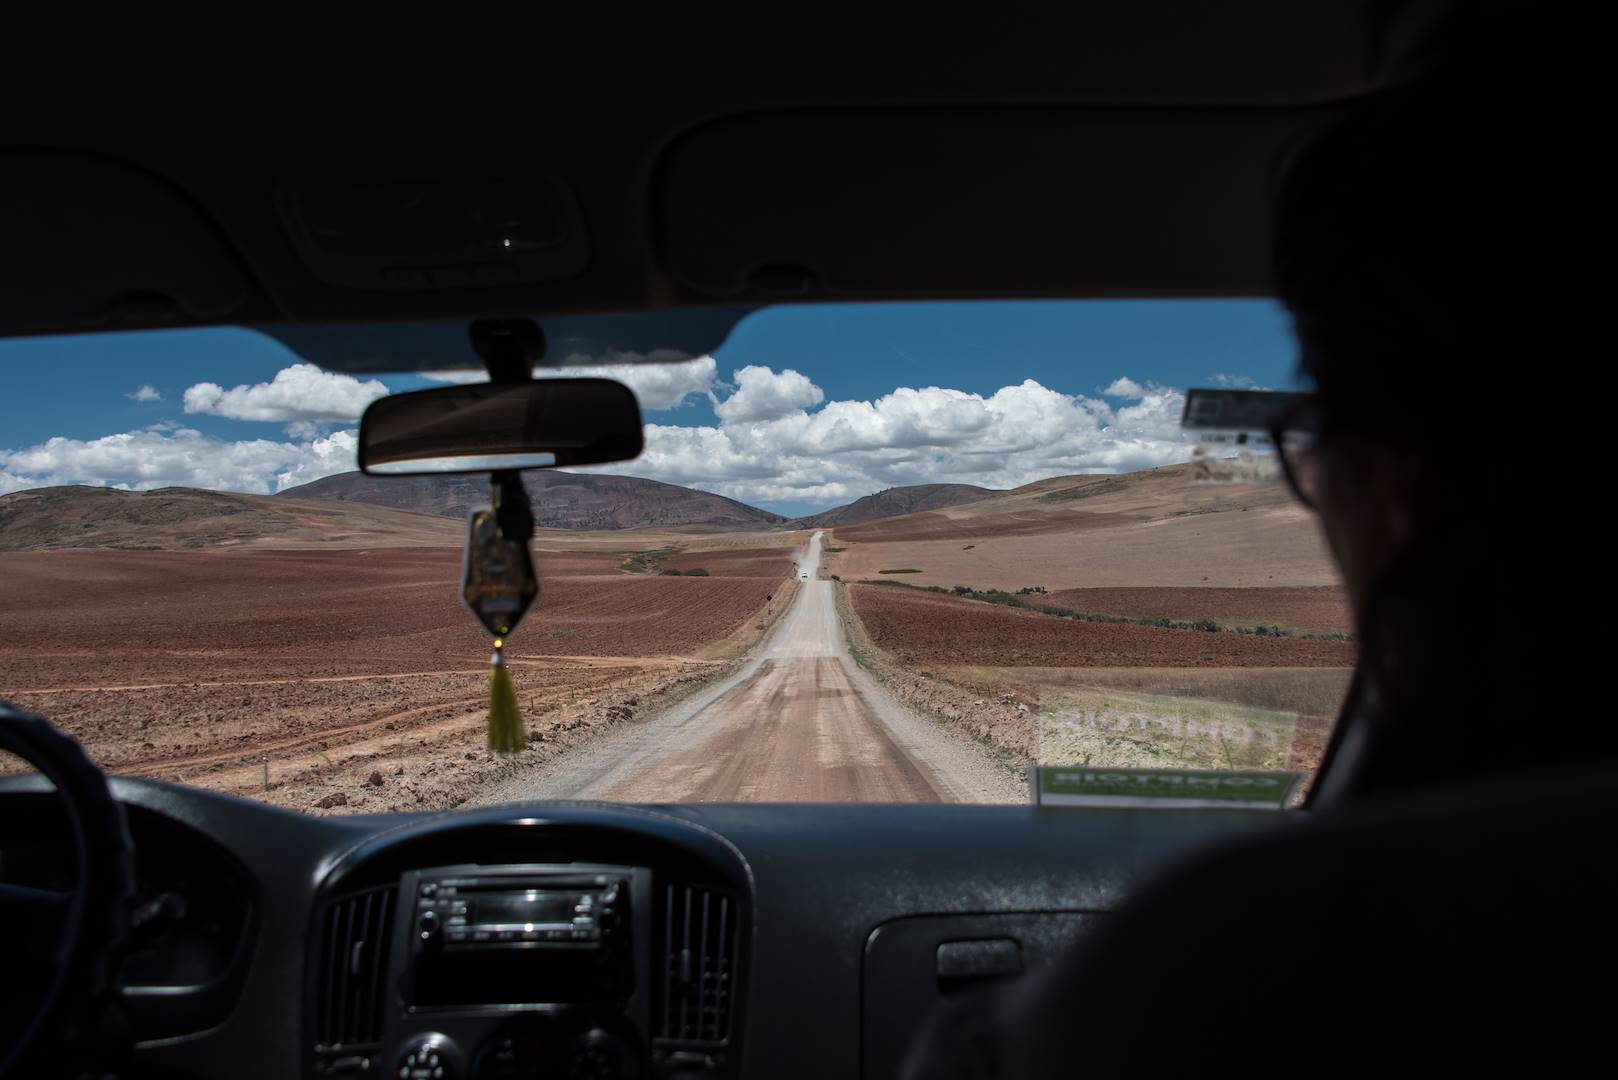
835 431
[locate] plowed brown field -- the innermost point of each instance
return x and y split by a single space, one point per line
932 629
348 677
743 562
1321 607
940 526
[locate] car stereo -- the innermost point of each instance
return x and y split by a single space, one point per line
498 937
496 912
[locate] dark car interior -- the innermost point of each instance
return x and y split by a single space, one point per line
685 164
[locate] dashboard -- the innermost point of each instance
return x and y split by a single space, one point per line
593 940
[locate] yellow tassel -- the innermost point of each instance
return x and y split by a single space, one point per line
505 722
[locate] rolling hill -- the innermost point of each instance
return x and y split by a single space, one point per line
561 500
893 502
1063 504
1155 527
181 519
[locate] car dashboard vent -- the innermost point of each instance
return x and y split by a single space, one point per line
353 956
700 929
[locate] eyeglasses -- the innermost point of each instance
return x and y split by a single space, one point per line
1296 437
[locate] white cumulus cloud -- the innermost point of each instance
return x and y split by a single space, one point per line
763 394
657 386
184 457
777 439
767 450
302 392
661 379
145 392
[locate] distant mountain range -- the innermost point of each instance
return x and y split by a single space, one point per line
355 510
561 500
893 502
180 519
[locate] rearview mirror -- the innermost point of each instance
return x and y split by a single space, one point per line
483 427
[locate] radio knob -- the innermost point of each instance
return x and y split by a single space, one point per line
429 1057
601 1055
429 923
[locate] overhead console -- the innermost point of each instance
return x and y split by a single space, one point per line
545 949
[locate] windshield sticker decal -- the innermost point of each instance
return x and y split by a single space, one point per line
1131 729
1065 785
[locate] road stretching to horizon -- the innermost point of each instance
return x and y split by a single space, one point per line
799 722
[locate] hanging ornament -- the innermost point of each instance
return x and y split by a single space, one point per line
499 586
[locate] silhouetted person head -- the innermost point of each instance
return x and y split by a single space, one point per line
1404 236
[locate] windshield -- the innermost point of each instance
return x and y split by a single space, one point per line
894 552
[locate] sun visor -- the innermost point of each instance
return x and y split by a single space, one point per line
875 203
95 244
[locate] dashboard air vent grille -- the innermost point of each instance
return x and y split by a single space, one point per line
700 928
353 956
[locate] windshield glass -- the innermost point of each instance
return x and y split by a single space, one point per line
894 552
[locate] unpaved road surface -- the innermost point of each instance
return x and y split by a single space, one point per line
799 722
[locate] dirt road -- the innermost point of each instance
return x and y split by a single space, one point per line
800 722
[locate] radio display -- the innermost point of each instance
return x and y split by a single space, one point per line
559 938
533 906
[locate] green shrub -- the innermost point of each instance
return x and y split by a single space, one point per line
698 572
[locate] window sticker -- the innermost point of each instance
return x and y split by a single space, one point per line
1078 785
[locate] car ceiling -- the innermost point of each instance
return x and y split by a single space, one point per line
151 175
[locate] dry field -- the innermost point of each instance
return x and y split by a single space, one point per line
277 649
931 629
745 562
346 678
1149 529
1044 689
624 541
1149 545
1318 608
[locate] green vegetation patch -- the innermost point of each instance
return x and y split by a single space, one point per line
902 570
833 550
648 562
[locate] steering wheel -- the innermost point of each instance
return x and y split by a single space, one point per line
64 944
